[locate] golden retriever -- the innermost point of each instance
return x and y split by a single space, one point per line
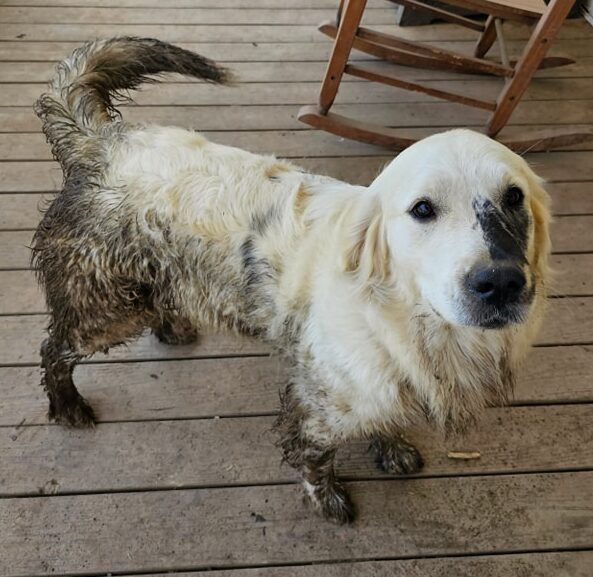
415 297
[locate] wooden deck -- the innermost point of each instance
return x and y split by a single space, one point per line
181 475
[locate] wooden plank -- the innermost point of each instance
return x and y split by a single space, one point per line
573 29
217 119
186 16
556 374
31 177
20 293
573 234
242 451
192 93
158 5
14 251
573 275
41 51
156 390
219 528
246 51
569 564
247 72
568 321
204 388
571 198
21 211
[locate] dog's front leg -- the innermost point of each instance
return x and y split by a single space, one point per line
324 491
395 455
312 453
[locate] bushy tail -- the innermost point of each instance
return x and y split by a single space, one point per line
80 96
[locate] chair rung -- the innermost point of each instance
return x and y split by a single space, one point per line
368 74
416 54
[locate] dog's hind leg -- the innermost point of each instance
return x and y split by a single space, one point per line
313 456
395 455
66 404
72 338
175 330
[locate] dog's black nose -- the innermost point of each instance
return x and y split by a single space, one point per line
497 285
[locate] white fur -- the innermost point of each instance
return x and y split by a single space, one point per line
367 333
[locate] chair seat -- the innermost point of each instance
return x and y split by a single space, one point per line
504 8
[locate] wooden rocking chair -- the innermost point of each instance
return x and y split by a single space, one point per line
348 34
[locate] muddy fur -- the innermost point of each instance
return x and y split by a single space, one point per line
396 455
158 228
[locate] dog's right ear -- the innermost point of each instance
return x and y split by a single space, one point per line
366 254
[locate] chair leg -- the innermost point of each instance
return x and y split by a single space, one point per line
486 39
352 11
545 31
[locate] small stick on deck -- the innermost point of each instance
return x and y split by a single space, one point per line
464 456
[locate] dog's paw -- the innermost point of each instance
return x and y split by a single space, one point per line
397 457
168 336
75 412
331 502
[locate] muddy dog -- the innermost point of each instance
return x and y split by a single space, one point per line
413 298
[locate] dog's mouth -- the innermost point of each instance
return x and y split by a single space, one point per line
493 317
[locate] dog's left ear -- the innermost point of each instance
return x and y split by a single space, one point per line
366 254
540 209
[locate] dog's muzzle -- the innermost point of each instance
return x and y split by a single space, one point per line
497 294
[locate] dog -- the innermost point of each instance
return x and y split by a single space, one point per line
412 299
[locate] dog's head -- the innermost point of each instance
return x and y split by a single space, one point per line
459 225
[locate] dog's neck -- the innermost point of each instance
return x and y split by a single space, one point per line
453 372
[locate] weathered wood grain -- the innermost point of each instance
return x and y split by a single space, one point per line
21 211
248 51
192 93
161 530
158 4
230 32
297 71
241 451
153 390
14 249
187 16
233 118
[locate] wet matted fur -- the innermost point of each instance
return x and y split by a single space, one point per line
413 298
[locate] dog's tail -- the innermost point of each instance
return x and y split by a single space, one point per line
80 96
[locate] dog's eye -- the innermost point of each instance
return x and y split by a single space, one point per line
513 196
422 210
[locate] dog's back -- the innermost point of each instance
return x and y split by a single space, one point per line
155 227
